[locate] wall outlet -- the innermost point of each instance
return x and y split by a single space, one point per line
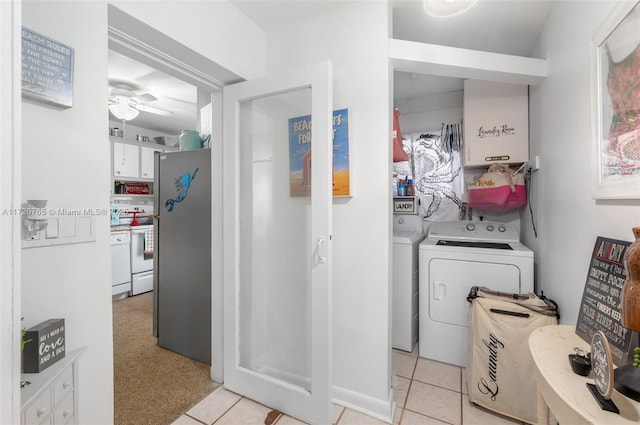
535 163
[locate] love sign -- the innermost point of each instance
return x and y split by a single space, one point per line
44 345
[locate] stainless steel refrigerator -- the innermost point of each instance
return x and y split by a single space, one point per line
182 257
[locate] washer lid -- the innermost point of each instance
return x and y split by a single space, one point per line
408 238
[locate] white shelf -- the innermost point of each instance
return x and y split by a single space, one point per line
151 145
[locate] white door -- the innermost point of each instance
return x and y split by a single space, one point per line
277 241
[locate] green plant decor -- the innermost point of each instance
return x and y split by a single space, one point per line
24 341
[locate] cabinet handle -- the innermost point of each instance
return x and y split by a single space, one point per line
41 411
65 385
67 413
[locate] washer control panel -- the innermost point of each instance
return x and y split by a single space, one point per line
473 231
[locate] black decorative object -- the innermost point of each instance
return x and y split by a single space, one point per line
47 345
605 404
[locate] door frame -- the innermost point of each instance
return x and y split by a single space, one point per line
137 40
10 199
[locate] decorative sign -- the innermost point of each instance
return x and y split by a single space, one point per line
132 188
601 364
405 205
300 155
496 122
45 346
47 69
601 299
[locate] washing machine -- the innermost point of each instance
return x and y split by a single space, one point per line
455 256
408 232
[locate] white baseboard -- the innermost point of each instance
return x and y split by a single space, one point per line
383 410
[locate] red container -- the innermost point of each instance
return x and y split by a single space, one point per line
136 188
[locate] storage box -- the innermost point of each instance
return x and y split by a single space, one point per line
167 140
46 345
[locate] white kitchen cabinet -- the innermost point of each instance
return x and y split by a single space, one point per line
51 396
126 160
147 162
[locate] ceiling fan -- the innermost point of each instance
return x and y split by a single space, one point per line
125 105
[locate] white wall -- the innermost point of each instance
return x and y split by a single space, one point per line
66 160
568 219
427 113
354 38
214 29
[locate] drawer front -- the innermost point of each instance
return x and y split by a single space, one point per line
40 409
64 411
63 385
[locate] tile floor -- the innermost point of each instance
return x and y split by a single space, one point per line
426 393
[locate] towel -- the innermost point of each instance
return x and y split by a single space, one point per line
148 241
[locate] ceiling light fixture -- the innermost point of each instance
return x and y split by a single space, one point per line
123 111
444 8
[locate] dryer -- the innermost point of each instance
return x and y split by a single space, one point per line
455 256
407 234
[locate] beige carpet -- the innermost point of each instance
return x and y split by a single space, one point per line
151 385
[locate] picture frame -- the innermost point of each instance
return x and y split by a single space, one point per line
47 69
615 61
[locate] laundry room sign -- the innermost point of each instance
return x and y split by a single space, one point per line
601 299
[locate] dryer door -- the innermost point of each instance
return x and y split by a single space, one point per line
450 281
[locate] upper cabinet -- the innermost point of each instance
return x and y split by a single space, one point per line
134 162
496 123
147 162
126 158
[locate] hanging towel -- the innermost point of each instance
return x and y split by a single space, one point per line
148 241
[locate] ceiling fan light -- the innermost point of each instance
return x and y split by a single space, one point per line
122 111
444 8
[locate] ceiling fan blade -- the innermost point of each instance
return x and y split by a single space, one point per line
152 110
143 98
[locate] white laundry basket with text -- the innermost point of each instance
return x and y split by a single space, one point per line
500 371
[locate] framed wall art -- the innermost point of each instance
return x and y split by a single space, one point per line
47 69
616 104
300 155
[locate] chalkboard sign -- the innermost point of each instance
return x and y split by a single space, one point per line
601 300
47 69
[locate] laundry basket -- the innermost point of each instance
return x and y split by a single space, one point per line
500 368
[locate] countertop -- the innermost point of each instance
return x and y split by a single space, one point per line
127 227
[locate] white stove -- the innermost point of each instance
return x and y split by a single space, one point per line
141 259
455 256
